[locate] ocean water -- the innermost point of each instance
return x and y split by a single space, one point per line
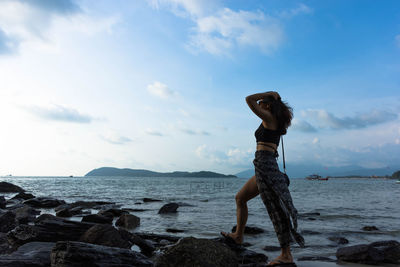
345 206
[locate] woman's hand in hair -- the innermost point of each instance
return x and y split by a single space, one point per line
262 113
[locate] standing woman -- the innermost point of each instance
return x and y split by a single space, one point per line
268 181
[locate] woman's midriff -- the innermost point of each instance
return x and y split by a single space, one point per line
266 146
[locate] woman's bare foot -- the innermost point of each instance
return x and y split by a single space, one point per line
238 239
281 259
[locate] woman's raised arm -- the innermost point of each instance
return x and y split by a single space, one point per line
263 114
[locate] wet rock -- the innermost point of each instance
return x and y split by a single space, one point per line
96 218
26 214
4 245
84 205
369 228
33 254
316 258
6 187
311 219
114 212
23 195
248 256
272 248
168 208
71 253
338 240
250 230
310 232
158 237
146 247
64 213
106 235
137 210
46 216
2 202
43 202
173 230
146 199
7 221
374 253
190 251
128 221
47 230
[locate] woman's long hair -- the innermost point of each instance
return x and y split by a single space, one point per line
282 112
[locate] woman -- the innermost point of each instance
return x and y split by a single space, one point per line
269 182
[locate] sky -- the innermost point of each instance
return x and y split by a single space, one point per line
161 84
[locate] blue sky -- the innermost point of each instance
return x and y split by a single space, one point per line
161 84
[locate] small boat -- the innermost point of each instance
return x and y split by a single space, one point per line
313 177
398 181
316 177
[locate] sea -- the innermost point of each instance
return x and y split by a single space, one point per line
207 206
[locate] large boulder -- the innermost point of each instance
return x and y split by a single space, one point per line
33 254
10 188
43 202
3 202
115 212
7 221
128 221
190 251
71 253
26 214
169 208
96 218
374 253
47 230
106 235
4 245
23 195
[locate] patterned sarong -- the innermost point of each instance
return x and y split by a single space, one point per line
274 192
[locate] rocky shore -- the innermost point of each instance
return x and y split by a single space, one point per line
31 237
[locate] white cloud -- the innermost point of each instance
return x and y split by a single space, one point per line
303 126
300 9
160 90
114 138
184 8
315 140
59 113
218 33
232 157
153 132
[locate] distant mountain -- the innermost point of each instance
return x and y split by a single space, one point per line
110 171
303 170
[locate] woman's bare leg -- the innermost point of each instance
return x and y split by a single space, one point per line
247 192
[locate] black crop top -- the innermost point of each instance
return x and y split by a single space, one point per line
263 134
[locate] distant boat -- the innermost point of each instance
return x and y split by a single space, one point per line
398 181
71 176
316 177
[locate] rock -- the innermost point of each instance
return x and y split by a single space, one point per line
26 214
315 258
7 221
71 253
146 247
137 210
35 254
64 213
158 237
2 202
310 232
114 212
250 230
46 216
128 221
4 245
172 230
190 251
43 202
374 253
370 228
168 208
10 188
23 195
84 205
339 240
271 248
306 214
47 230
146 199
96 218
249 256
311 219
106 235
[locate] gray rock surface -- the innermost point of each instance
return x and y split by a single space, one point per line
33 254
128 221
169 208
71 253
6 187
